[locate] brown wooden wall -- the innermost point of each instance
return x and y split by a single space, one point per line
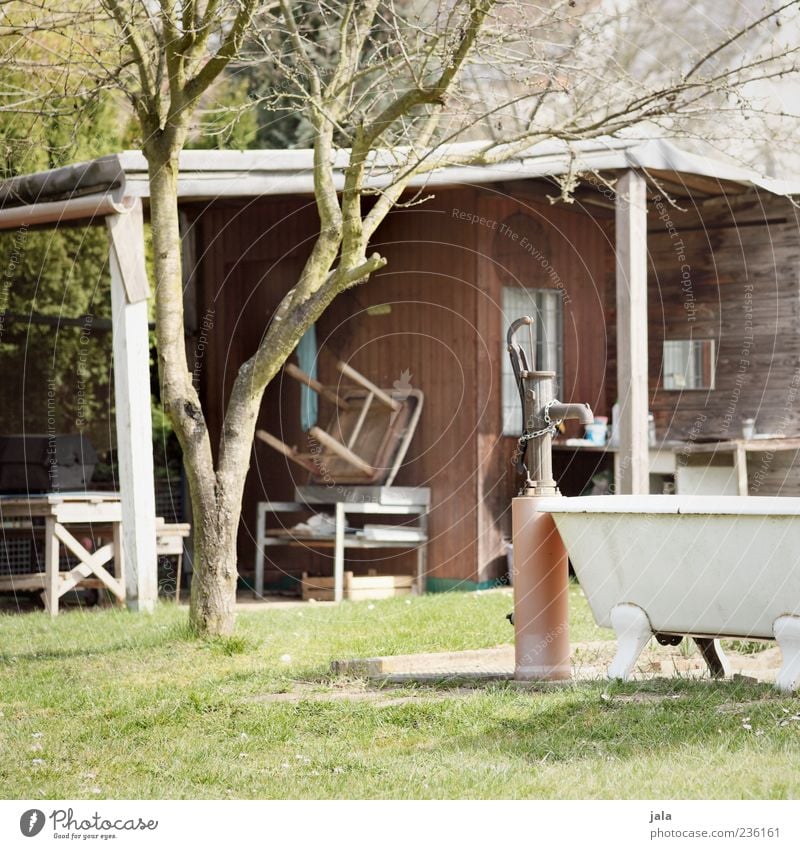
536 244
429 285
729 271
249 255
443 284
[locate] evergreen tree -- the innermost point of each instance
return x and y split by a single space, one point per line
55 352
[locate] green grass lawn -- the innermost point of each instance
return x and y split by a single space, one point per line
106 704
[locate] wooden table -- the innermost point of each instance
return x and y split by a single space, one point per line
712 467
52 513
661 458
360 500
733 454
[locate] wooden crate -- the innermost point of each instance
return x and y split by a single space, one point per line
356 587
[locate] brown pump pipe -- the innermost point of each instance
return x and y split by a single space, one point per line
541 570
541 595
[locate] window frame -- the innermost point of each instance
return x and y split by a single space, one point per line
694 360
553 348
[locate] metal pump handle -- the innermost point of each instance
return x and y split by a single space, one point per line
519 360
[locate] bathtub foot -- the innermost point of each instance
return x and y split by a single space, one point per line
714 657
633 633
787 633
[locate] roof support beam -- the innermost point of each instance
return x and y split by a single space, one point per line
131 346
127 240
633 473
60 211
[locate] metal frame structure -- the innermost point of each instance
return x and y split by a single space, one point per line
361 501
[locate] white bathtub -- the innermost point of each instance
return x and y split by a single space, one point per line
703 566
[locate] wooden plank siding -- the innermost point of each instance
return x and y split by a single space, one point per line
444 329
571 248
426 331
250 254
441 325
738 283
444 282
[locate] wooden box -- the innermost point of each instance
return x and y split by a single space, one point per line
357 587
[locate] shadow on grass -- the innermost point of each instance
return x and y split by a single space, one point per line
177 632
622 721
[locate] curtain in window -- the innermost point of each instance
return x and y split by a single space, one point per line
307 360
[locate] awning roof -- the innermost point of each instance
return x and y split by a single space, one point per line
206 175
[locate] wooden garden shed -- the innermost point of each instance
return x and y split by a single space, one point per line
652 244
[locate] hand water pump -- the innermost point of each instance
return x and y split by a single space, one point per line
541 572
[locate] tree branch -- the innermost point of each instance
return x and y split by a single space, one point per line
231 45
138 48
404 105
737 36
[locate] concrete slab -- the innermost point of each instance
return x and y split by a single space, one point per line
589 662
493 663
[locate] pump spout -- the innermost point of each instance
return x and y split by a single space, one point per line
582 412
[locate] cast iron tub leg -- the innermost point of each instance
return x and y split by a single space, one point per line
633 631
787 633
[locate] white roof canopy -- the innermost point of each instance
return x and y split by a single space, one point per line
108 183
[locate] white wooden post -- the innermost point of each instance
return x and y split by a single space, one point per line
633 474
129 293
338 552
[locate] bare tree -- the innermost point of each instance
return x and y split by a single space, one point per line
654 43
400 84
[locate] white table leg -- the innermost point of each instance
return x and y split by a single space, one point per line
51 550
119 558
422 555
338 553
261 514
740 469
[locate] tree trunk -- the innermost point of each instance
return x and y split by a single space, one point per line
213 595
216 489
212 608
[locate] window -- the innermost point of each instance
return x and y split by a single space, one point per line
546 307
688 364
